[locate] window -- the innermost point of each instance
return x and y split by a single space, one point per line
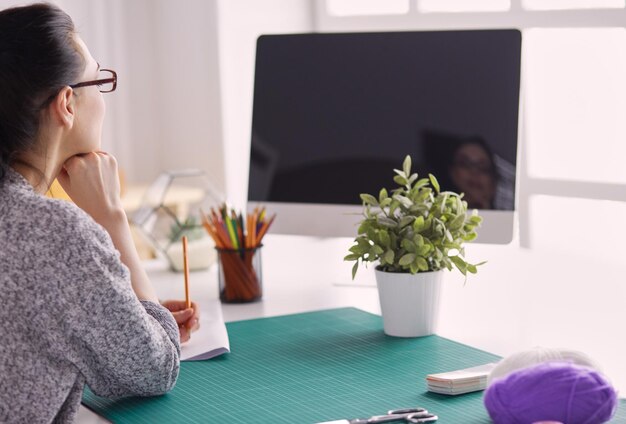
575 103
367 7
463 5
571 4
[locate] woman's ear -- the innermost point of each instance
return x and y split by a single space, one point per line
63 107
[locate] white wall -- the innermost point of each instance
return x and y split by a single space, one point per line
166 112
240 23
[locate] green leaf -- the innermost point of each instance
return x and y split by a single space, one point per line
423 250
413 268
385 202
401 173
475 219
389 256
354 269
407 259
406 220
470 236
472 268
382 195
421 263
424 194
408 245
386 222
376 250
383 235
400 180
412 179
421 183
364 243
404 201
356 249
460 264
460 209
352 257
434 182
457 222
406 165
418 224
443 203
368 199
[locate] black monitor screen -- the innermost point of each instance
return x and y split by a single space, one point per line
334 114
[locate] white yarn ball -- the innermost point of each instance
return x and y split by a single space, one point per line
536 356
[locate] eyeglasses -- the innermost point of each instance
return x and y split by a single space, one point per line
106 83
471 165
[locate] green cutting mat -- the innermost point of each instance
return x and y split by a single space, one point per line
306 368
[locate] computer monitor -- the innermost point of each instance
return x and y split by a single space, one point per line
334 114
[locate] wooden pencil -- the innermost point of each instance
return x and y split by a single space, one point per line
186 268
264 229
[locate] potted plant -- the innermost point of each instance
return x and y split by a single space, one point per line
413 233
201 252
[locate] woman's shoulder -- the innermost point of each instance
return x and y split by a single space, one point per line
52 222
64 218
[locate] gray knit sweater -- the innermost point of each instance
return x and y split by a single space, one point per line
68 315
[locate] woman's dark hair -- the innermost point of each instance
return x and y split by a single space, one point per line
480 142
38 57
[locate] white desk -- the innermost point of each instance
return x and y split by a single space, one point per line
490 312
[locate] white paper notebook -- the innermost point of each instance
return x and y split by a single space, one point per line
211 339
460 381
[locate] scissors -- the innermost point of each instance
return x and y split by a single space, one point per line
408 415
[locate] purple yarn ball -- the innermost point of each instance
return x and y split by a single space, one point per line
552 391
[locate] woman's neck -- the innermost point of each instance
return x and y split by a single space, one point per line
40 170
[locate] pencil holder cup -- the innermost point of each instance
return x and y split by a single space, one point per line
239 274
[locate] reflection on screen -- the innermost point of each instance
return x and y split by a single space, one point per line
334 114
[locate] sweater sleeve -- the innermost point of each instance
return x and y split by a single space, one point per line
122 347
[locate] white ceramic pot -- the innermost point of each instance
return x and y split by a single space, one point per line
200 254
409 302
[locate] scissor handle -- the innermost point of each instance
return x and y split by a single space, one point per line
387 418
405 411
396 415
421 417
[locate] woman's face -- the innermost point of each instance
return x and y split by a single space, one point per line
90 109
472 173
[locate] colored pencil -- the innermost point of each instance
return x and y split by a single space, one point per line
264 229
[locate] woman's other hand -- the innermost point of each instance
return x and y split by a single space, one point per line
188 319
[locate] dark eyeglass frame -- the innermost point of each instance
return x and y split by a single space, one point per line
99 82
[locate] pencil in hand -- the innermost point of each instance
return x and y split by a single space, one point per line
186 269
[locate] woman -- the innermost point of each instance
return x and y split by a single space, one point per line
77 307
473 172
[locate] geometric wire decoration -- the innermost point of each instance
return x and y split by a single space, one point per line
171 208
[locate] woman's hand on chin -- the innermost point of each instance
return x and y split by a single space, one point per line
92 182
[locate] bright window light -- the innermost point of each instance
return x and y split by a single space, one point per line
366 7
575 103
463 5
572 4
